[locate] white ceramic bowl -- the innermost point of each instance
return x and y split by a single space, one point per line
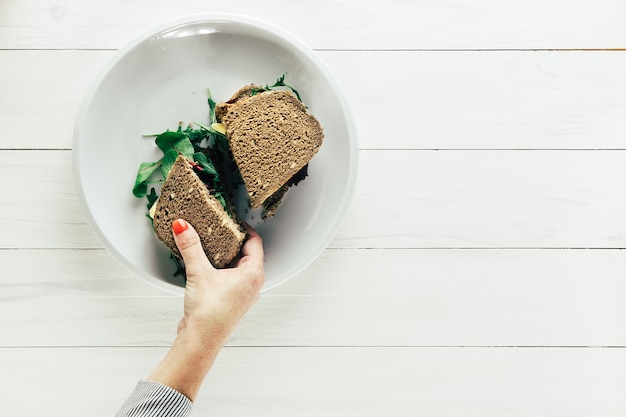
159 80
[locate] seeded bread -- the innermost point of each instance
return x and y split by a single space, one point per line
185 196
272 136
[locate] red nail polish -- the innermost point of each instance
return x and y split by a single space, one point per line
179 226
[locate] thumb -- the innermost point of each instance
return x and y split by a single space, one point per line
188 243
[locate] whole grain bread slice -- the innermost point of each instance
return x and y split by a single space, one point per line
185 196
272 136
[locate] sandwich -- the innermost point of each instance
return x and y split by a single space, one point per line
185 196
272 138
262 138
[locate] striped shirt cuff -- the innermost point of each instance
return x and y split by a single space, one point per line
153 399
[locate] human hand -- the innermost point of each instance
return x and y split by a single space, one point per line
217 299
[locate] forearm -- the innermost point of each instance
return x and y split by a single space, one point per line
188 361
215 301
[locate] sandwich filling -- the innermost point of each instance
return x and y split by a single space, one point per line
192 189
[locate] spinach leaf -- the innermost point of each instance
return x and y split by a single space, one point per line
212 106
220 197
196 136
206 165
146 169
280 82
175 140
216 140
214 182
152 198
168 161
180 266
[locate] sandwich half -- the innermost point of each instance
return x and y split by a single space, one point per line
184 195
272 138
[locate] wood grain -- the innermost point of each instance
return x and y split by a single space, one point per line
485 100
42 209
457 99
479 272
404 199
480 382
41 95
348 297
535 199
345 24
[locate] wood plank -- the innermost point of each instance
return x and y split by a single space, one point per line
404 199
68 273
485 100
41 94
347 298
536 199
40 205
345 24
461 100
481 382
449 297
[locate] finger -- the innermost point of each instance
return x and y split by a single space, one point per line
189 246
252 250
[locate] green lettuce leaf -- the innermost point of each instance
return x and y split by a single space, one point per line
168 161
146 169
175 140
206 165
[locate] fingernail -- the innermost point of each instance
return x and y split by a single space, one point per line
179 226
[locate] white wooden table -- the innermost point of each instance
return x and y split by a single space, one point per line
480 271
